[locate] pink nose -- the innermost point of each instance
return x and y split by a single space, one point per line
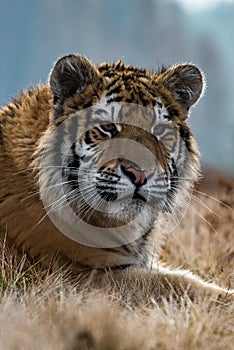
139 177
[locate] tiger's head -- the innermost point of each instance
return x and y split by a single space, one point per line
118 152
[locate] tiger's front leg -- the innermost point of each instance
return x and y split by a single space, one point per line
140 286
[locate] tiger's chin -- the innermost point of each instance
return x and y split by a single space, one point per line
125 213
120 209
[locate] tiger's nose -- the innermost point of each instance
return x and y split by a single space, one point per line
138 177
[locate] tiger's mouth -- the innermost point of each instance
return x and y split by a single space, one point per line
137 195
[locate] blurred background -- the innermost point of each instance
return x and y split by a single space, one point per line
146 33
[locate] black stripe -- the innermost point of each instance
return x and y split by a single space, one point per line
105 188
174 182
100 111
120 267
173 112
114 90
149 89
186 134
116 99
73 128
113 82
73 163
1 136
118 250
87 138
114 182
141 243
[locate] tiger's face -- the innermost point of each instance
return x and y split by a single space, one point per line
120 142
123 168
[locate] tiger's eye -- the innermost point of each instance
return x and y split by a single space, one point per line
110 128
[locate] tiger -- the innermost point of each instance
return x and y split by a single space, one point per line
98 165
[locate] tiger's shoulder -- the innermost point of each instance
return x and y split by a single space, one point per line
23 121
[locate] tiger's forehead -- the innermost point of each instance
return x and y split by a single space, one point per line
130 113
130 88
132 96
125 85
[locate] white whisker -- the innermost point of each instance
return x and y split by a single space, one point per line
47 188
213 198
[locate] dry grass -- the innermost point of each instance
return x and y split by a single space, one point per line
40 310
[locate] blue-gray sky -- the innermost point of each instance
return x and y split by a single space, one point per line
198 5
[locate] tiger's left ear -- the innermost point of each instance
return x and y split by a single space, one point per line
186 82
71 74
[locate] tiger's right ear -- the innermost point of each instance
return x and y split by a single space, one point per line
71 74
